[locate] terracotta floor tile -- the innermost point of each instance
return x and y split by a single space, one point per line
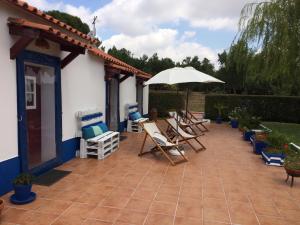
36 218
138 205
144 194
188 210
95 222
68 220
242 213
132 217
214 203
265 208
162 208
54 207
89 198
105 214
216 215
187 221
13 215
268 220
79 210
127 185
166 198
155 219
115 201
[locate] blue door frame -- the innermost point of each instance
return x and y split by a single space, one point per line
46 60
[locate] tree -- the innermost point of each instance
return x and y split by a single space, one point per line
71 20
273 28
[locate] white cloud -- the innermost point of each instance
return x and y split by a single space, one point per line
165 42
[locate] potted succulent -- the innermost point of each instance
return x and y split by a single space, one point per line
234 117
22 185
1 205
220 107
276 150
292 164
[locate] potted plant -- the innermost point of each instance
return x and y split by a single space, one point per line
292 164
220 107
234 117
250 123
276 150
258 141
22 185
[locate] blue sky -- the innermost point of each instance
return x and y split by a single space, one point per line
174 29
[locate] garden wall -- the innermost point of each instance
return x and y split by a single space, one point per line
269 108
165 101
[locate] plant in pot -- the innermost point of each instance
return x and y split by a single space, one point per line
220 107
22 185
234 117
250 123
276 150
292 164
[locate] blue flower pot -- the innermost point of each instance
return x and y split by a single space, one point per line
259 146
248 134
273 159
22 192
219 120
234 123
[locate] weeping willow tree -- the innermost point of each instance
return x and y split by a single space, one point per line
272 30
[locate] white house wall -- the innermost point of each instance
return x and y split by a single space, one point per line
127 95
83 88
82 81
146 99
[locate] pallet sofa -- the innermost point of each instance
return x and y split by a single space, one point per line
134 118
95 138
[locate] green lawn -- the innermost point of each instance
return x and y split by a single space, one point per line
292 130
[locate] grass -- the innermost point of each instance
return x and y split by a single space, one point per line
292 130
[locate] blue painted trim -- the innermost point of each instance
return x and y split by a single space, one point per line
46 60
69 148
9 169
123 126
91 116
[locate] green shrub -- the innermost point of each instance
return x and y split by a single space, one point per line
165 101
23 179
269 108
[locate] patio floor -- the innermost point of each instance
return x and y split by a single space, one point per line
226 184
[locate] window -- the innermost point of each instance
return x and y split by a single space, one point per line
30 92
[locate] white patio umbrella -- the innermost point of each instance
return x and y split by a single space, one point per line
178 75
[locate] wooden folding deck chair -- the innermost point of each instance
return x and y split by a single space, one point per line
189 128
187 123
151 129
184 136
190 118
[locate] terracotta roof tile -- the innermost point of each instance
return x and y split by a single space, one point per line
112 61
33 10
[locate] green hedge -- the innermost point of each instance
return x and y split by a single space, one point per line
269 108
165 101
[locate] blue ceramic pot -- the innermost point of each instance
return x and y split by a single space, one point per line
219 120
22 192
234 123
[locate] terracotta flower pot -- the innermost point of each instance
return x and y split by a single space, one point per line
1 206
295 173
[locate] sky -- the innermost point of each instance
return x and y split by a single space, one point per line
171 28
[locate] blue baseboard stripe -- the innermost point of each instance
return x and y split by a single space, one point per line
9 169
69 148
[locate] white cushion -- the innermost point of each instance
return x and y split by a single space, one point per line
160 139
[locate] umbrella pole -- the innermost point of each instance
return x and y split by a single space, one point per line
177 120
